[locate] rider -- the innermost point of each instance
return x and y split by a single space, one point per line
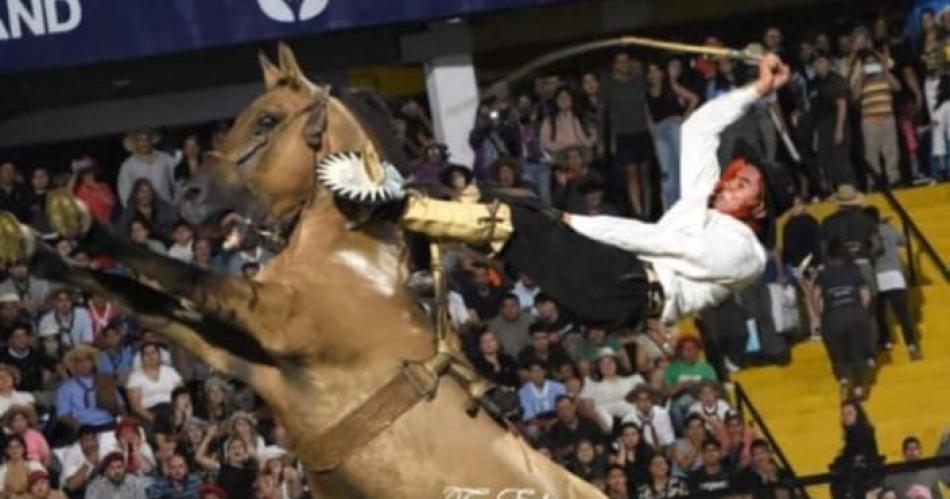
614 271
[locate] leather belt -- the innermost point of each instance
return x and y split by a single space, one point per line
656 300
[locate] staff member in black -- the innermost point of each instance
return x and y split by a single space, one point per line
843 299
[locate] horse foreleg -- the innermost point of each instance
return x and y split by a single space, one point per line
218 344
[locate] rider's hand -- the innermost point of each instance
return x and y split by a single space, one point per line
773 74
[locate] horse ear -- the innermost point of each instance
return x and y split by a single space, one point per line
289 67
271 72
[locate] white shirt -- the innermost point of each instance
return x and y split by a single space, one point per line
608 392
15 398
80 327
720 410
73 459
181 252
158 391
659 419
158 168
700 255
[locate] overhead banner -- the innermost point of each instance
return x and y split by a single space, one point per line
37 34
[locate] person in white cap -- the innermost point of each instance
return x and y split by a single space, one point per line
31 290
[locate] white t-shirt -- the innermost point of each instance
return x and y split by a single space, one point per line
158 391
720 410
73 459
609 392
15 398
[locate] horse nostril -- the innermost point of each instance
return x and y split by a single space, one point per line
194 193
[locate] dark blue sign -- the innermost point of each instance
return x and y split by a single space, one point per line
48 33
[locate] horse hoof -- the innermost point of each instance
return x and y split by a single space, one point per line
68 216
16 241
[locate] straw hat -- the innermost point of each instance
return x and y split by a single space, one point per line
847 195
238 415
77 353
12 371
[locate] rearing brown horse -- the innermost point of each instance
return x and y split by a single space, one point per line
325 324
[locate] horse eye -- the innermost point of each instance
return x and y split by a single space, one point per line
266 122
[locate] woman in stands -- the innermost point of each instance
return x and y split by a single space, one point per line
660 484
859 466
633 454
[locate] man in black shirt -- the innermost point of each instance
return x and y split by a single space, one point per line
571 428
763 478
829 108
35 367
712 479
481 297
543 350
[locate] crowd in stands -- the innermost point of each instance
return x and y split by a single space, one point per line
95 405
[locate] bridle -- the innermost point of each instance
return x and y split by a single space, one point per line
274 235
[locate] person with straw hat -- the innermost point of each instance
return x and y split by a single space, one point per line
84 398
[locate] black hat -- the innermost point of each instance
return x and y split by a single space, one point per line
779 187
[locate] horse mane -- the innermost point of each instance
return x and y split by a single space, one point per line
373 115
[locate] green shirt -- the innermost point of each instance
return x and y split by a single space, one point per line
679 371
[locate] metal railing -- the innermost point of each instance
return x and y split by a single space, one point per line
744 405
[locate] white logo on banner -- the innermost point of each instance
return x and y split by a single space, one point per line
282 10
39 17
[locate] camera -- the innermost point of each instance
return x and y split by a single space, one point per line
494 115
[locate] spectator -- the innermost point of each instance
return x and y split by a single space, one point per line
459 181
130 441
594 340
683 376
512 326
669 103
9 396
538 394
115 358
11 314
610 389
493 363
39 487
632 453
16 468
84 398
80 462
89 188
892 287
588 464
150 387
593 193
287 479
872 83
843 301
800 239
32 364
39 184
202 254
542 349
116 481
929 477
572 171
434 160
243 426
687 452
170 425
14 196
140 234
625 111
193 432
660 485
571 428
102 312
710 407
235 471
940 121
655 343
567 126
616 483
144 205
737 446
211 491
482 298
22 420
32 291
176 483
549 312
763 478
829 113
191 158
497 131
653 420
712 478
182 242
65 325
218 401
525 289
724 80
505 173
145 162
858 467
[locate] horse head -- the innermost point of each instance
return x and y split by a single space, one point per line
265 168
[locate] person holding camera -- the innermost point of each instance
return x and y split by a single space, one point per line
873 85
